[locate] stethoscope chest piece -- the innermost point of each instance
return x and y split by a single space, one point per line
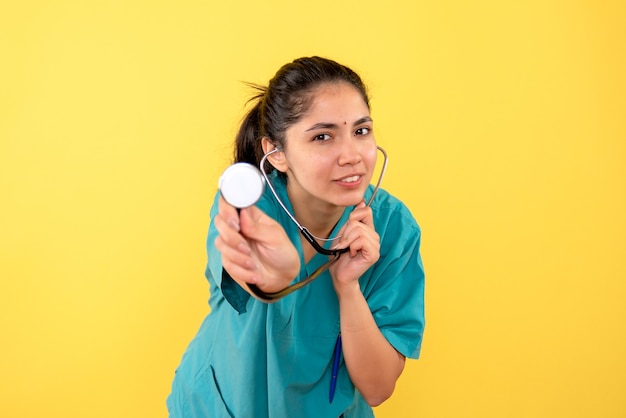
241 185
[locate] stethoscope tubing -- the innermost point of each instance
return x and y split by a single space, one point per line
335 254
310 237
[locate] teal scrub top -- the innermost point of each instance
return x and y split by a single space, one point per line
252 359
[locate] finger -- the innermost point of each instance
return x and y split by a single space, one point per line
229 235
235 255
338 242
229 213
365 247
353 239
364 214
257 226
240 275
345 237
359 237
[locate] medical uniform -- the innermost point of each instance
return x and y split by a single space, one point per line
255 360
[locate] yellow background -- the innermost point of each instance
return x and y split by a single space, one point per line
504 122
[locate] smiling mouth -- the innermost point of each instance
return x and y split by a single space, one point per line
350 179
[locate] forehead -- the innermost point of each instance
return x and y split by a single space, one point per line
335 99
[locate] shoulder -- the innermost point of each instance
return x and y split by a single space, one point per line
391 212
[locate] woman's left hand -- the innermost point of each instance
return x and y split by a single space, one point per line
358 234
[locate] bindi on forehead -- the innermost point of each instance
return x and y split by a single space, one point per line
345 122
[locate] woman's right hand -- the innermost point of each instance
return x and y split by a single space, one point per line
255 248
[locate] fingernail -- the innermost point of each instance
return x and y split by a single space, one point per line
244 248
234 224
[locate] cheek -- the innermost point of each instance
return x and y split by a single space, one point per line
370 156
314 162
308 168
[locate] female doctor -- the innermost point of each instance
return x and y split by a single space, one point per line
337 346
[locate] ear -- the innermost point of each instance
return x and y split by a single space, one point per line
277 159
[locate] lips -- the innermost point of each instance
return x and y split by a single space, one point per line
350 179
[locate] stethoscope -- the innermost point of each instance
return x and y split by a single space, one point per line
242 185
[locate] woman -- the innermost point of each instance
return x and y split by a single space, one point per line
254 359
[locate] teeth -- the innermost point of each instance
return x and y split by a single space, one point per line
350 179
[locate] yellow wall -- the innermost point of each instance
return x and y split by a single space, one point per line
504 122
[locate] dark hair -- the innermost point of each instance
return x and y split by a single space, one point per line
283 102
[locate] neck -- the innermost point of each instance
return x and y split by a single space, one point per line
319 218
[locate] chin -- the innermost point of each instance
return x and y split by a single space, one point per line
350 201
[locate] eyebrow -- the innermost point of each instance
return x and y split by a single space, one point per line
328 125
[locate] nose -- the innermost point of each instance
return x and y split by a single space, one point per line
349 153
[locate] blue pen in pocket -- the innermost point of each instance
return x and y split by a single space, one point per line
333 378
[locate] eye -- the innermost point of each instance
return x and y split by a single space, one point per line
362 131
321 137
